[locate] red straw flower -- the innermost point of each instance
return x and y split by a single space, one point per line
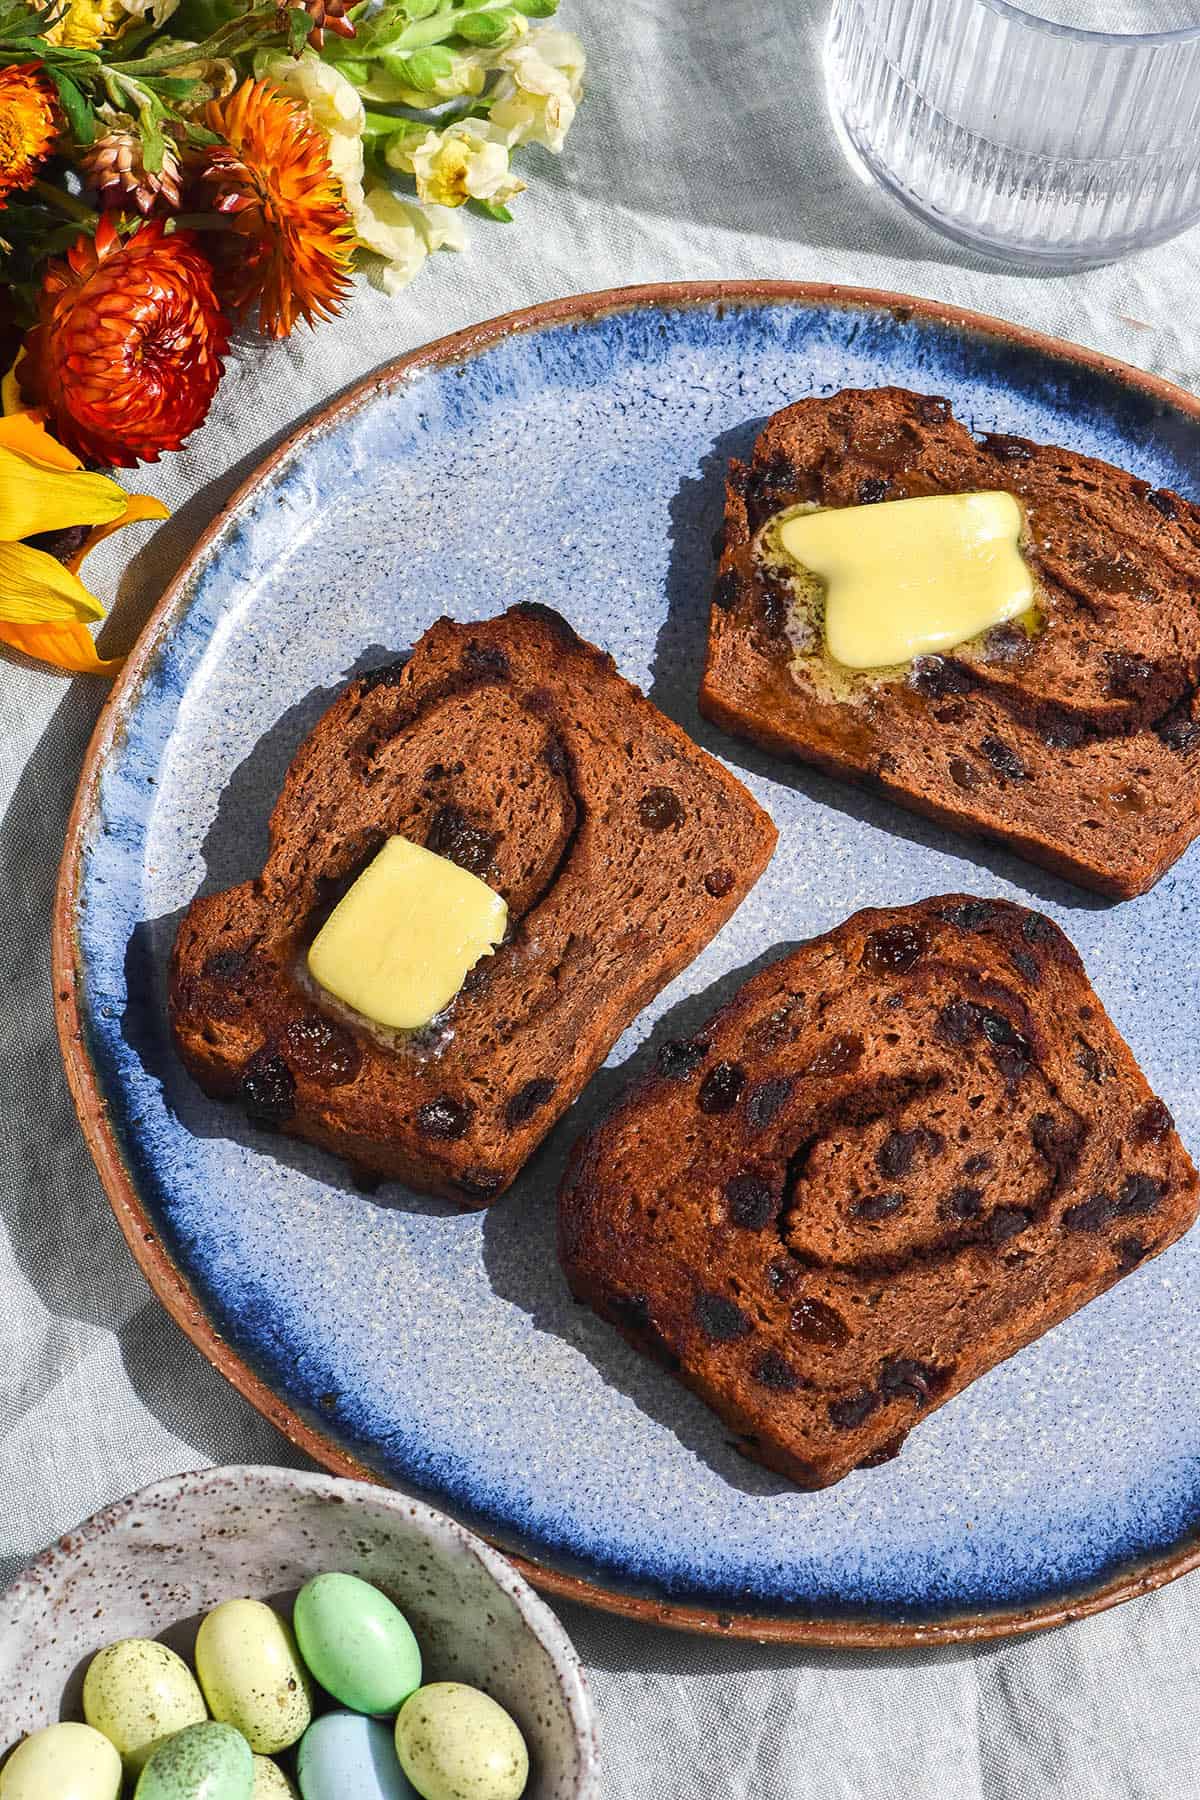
126 354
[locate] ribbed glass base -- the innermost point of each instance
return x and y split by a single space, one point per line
1024 140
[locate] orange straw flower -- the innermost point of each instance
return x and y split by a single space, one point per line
293 236
27 124
126 355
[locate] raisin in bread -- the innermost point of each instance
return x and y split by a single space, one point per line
516 750
898 1155
1078 747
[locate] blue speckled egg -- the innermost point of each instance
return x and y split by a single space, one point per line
345 1753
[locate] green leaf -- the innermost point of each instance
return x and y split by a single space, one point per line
70 59
17 18
198 19
172 87
487 210
199 134
535 9
423 9
152 147
299 24
77 107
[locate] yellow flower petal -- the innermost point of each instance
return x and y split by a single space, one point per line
68 646
138 506
26 433
35 497
37 589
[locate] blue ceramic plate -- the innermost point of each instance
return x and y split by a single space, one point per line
575 455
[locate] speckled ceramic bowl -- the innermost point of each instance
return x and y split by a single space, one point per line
151 1565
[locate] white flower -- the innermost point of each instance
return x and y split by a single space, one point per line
334 105
466 161
403 234
540 87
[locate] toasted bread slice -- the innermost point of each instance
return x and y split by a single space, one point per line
1078 747
896 1157
516 750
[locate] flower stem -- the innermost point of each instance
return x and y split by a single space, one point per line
231 39
66 203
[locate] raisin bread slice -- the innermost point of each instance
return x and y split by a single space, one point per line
896 1157
517 750
1079 747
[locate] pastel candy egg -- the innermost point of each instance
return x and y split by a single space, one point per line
138 1692
358 1645
343 1754
205 1762
270 1782
456 1743
252 1676
63 1762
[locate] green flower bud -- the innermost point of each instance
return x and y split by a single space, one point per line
488 27
423 68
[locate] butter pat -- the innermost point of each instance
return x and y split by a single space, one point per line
908 577
399 944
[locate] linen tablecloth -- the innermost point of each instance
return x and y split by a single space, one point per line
703 150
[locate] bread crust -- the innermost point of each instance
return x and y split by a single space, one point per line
896 1157
515 748
1079 748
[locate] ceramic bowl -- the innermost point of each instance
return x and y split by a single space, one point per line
153 1564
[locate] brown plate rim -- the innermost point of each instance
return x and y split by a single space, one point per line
167 1281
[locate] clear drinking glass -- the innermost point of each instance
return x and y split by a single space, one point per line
1031 135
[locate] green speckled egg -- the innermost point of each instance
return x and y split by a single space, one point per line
63 1762
205 1762
456 1743
357 1644
270 1782
138 1692
252 1675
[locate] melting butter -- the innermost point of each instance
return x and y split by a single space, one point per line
905 578
401 941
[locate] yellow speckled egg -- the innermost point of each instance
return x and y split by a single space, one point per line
63 1762
138 1692
270 1782
252 1676
457 1743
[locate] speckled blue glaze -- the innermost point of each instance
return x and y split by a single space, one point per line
582 466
